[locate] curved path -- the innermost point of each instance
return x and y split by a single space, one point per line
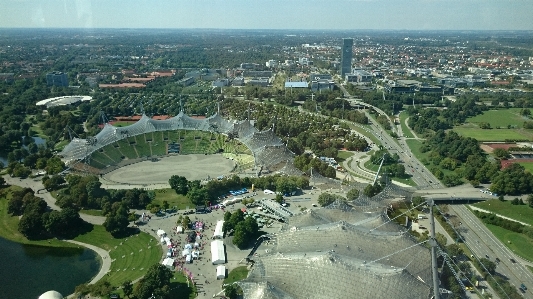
104 255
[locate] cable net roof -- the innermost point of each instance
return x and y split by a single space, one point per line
339 252
267 148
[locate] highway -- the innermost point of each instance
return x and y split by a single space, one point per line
477 237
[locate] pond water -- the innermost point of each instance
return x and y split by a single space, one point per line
38 141
28 271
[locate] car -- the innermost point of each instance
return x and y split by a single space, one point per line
512 260
522 290
315 205
487 256
114 296
497 260
523 286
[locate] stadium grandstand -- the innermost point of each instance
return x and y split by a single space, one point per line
180 134
359 255
63 101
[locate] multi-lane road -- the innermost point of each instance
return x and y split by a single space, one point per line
477 237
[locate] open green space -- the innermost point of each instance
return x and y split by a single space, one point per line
415 145
9 224
521 213
516 242
173 199
528 166
236 274
131 256
491 134
405 130
343 156
499 118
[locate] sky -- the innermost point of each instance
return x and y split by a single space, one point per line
270 14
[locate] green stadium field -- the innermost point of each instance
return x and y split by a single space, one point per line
499 118
492 134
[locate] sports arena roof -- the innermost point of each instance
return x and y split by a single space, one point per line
266 147
62 101
338 252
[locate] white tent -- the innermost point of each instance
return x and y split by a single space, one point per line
179 229
218 255
221 272
188 259
185 252
188 246
162 240
160 232
219 234
167 240
168 262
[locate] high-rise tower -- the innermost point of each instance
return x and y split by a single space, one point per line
346 56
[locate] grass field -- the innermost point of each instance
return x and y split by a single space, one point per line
518 243
173 199
405 130
499 118
528 166
236 274
131 256
491 134
505 208
343 156
9 224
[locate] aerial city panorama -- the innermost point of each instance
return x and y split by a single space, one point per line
266 150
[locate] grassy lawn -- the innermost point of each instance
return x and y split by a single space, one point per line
415 145
236 274
499 118
505 208
173 199
519 243
179 288
131 256
343 156
9 225
365 133
528 166
405 130
123 123
492 134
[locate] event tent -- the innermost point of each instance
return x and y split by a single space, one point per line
179 229
185 252
167 240
160 232
168 262
221 272
219 234
218 255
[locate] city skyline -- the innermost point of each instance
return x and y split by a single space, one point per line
273 14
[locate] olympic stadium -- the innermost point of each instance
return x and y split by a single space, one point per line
340 252
114 147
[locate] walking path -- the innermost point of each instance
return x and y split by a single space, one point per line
104 255
501 216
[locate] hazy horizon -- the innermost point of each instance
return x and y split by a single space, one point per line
423 15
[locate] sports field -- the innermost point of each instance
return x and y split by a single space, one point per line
492 134
499 118
506 124
193 167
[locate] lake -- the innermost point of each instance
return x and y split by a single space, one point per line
28 271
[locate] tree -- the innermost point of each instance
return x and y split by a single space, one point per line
156 282
353 194
198 195
127 288
501 153
117 221
325 199
179 184
489 265
231 291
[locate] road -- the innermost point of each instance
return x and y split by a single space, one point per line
481 241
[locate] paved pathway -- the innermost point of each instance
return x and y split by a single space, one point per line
501 216
104 255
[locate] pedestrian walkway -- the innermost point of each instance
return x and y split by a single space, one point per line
498 215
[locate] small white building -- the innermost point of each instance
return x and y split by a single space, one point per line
218 252
221 272
219 234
